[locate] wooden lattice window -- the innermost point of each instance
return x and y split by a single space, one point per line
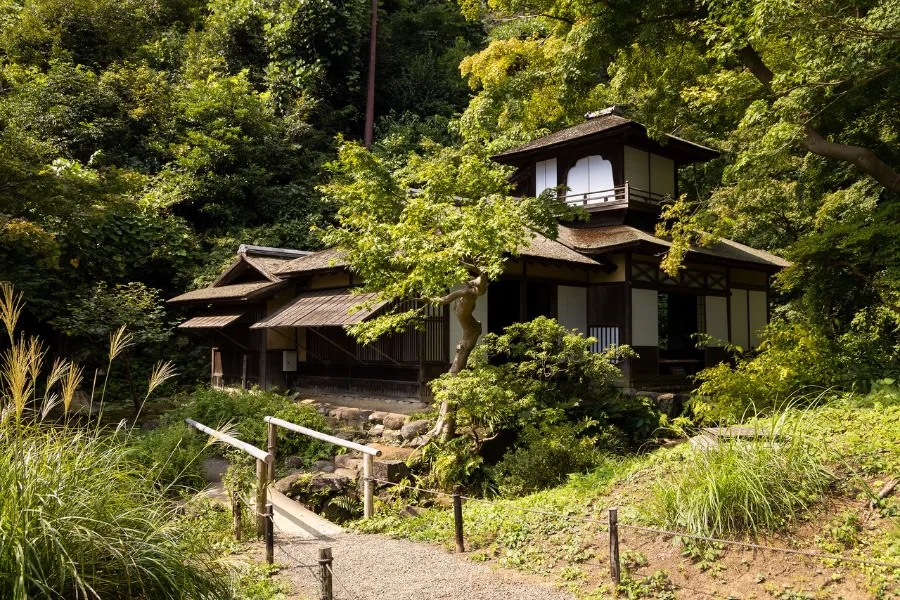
644 272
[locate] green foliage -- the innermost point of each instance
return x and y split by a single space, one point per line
757 484
244 411
531 374
546 455
80 517
793 359
421 231
176 454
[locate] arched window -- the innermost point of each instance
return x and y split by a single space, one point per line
591 179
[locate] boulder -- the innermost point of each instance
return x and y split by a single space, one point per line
349 474
418 441
293 462
393 420
414 429
82 404
324 466
391 435
409 511
303 487
668 404
376 431
347 461
652 395
390 470
378 416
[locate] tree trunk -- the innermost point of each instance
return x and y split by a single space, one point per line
863 158
471 331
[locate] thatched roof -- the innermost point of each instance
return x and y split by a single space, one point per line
325 260
326 308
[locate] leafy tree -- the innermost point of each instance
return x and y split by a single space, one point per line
431 233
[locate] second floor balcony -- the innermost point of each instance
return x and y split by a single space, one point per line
616 198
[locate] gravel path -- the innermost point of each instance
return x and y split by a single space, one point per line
375 567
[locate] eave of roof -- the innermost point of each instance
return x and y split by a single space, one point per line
214 320
602 240
594 128
324 260
240 292
324 309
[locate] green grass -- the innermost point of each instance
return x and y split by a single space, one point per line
744 485
79 518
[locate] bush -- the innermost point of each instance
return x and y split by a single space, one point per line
176 453
547 454
81 518
793 358
244 411
743 485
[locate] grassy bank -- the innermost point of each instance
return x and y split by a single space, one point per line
807 482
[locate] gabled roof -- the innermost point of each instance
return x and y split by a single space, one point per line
265 260
604 124
601 240
543 247
240 292
324 260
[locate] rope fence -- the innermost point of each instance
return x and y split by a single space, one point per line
612 525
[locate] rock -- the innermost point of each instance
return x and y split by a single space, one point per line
82 404
149 425
378 416
308 401
332 412
347 461
376 431
393 420
303 486
418 441
414 429
667 404
629 391
651 395
409 511
214 468
293 462
390 470
345 435
349 474
324 466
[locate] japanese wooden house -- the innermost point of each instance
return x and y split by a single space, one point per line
276 317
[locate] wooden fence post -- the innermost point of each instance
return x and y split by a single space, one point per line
458 517
236 515
270 533
325 574
262 471
368 487
614 571
272 440
244 382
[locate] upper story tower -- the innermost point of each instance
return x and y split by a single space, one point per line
612 168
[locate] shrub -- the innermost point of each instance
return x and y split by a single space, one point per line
793 358
546 455
176 453
244 412
81 518
743 485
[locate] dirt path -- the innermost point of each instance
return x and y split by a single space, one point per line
375 567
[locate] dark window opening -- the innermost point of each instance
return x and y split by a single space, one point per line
680 317
541 300
504 300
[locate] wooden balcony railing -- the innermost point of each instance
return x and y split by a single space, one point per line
621 194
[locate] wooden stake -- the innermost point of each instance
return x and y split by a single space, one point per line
458 517
272 441
262 471
368 487
270 534
236 515
325 574
614 571
244 382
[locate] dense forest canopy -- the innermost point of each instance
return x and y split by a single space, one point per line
141 142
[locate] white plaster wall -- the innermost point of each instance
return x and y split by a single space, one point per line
758 316
662 175
590 174
740 334
644 318
717 318
545 175
481 313
637 168
571 303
